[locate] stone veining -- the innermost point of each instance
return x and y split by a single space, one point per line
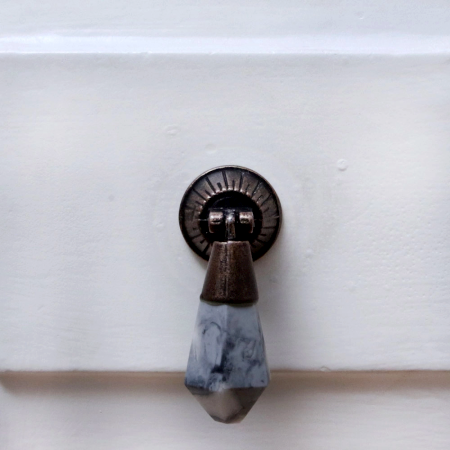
227 369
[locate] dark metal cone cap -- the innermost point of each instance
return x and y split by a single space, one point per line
230 277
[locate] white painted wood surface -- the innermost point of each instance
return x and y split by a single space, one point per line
388 411
234 18
103 125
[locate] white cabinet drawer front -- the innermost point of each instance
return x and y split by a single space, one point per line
97 150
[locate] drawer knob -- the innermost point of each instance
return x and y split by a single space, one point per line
229 216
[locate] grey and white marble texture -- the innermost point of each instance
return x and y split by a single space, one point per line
227 368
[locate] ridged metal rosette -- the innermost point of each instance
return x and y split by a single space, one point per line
230 187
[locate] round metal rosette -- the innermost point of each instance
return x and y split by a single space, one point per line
230 187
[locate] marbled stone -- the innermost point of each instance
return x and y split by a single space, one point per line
227 369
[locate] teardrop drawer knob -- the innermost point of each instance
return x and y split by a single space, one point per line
229 216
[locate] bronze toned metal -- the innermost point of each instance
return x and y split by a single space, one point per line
224 189
215 221
230 277
246 218
223 224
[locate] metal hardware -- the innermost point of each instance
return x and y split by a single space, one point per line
230 277
231 216
230 188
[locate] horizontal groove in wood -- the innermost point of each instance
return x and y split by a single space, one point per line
336 381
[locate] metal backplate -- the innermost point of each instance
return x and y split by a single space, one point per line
230 187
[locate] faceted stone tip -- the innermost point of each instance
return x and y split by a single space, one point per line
228 405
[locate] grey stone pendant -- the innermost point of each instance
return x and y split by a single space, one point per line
227 369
